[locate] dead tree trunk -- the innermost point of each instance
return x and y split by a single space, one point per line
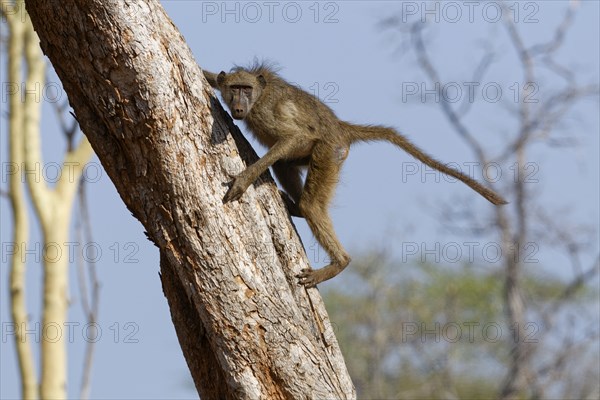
245 326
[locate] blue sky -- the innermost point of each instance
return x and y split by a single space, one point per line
339 49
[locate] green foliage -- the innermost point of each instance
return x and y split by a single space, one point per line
427 331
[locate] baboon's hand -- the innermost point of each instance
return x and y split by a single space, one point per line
236 189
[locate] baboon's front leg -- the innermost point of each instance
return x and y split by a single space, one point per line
240 183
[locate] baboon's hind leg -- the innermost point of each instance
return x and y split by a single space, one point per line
321 180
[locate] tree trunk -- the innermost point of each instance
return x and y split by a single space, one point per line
16 113
247 329
53 211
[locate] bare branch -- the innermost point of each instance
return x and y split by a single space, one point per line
76 159
553 369
433 75
576 284
478 74
558 69
559 34
558 105
68 131
89 303
42 196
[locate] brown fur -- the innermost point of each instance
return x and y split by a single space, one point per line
301 131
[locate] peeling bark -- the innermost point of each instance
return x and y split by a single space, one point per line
247 329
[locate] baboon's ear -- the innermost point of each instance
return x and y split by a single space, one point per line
221 78
262 81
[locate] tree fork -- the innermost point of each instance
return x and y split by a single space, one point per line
247 329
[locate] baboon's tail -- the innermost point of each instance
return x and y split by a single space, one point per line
373 132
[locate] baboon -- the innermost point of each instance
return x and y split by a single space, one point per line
301 131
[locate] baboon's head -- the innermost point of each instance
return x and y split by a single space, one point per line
240 90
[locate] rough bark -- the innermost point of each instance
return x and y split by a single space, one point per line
247 329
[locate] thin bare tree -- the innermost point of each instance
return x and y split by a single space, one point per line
52 207
537 123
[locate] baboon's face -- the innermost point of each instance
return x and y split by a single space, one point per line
240 90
